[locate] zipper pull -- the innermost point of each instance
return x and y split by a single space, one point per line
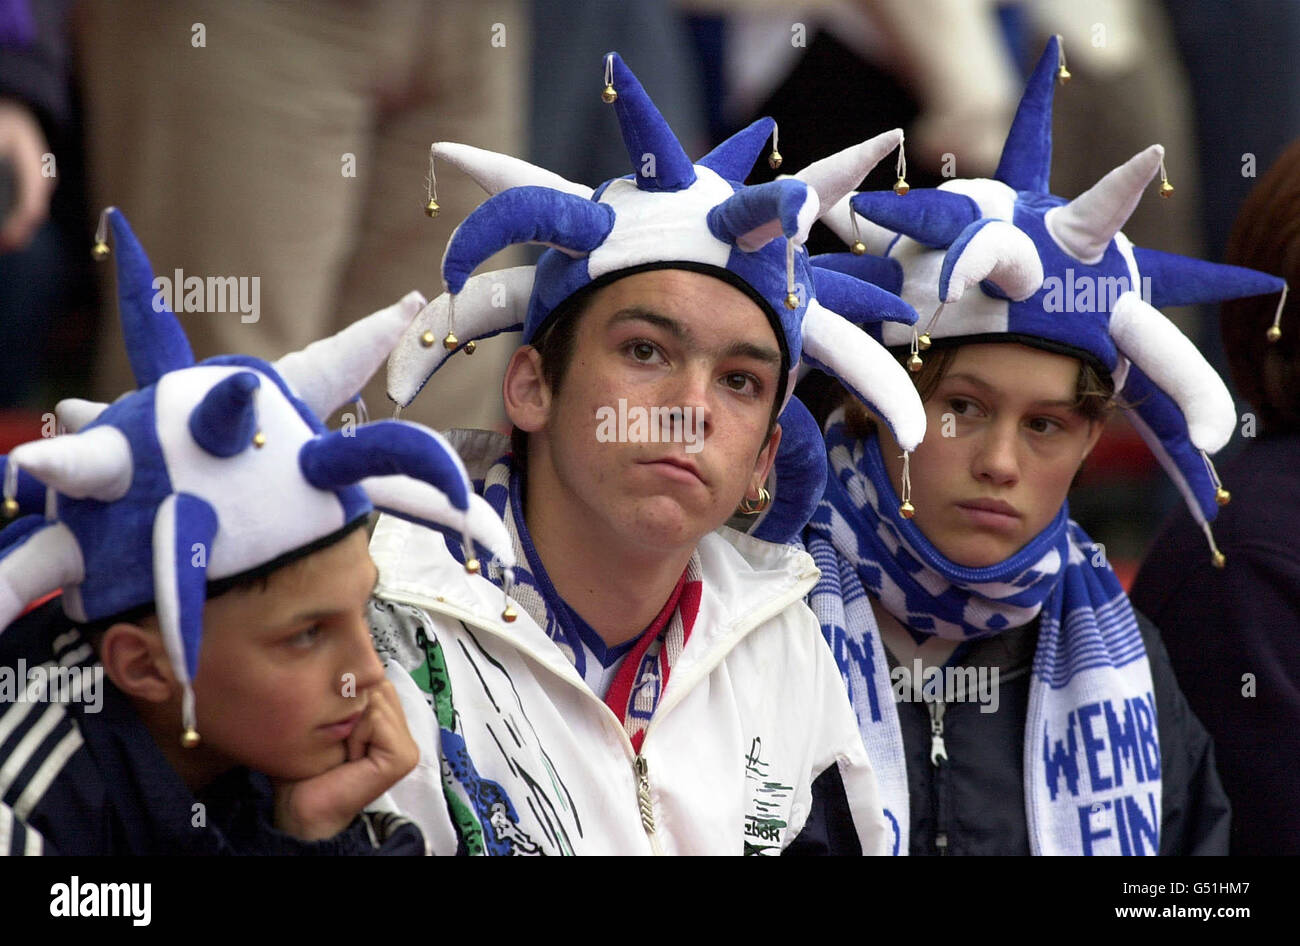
938 753
642 770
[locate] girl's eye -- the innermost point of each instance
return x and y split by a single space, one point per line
1044 425
960 406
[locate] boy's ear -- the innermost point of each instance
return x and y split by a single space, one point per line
766 457
136 661
525 391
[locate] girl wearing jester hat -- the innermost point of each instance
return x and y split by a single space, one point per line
206 682
1011 699
656 682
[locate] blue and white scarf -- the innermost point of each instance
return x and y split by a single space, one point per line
1092 754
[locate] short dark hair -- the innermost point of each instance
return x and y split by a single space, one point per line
555 345
558 340
1266 236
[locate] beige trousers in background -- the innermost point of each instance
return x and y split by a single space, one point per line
230 159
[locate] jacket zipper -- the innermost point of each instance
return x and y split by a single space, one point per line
640 768
701 669
938 752
938 758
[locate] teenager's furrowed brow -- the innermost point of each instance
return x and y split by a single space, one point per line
759 353
636 314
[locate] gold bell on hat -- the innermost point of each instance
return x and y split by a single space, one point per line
427 339
471 566
907 510
1274 333
791 301
774 160
509 614
259 440
914 363
1222 496
431 208
1165 187
100 250
858 248
923 341
450 342
901 187
1218 560
1062 73
609 96
470 346
11 508
190 739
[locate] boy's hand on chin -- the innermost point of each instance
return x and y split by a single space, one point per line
380 751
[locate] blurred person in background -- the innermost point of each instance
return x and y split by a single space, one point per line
290 142
45 295
1234 634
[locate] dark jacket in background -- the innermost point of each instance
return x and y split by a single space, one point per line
1234 637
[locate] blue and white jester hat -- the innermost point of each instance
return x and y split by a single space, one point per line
1003 259
669 213
216 471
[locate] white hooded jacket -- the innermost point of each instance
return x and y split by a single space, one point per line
753 747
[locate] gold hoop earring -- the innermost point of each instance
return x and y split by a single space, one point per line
749 507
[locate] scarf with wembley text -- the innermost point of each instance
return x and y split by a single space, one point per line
639 682
1092 753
